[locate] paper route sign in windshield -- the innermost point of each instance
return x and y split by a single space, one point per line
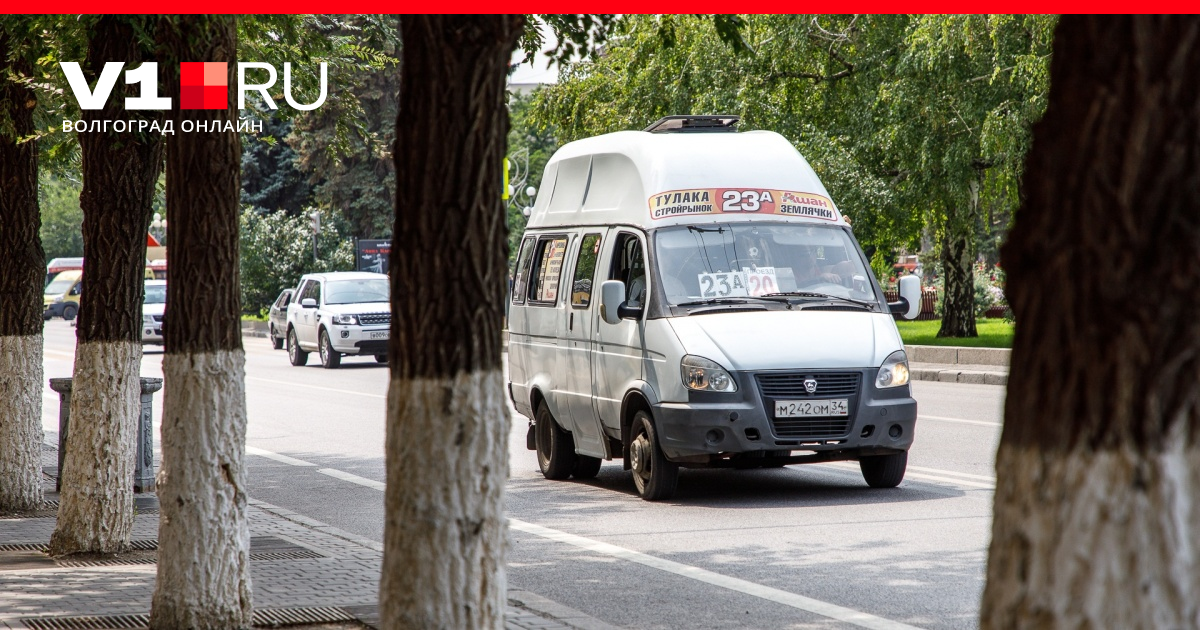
677 203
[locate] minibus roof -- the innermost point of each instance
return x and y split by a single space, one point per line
660 179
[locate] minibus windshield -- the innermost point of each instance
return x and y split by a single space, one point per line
725 260
59 287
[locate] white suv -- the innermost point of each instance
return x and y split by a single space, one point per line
339 313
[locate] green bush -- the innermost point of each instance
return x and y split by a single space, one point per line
276 249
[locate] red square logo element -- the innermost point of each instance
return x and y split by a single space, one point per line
203 85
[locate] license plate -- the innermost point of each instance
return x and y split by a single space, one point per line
382 334
811 408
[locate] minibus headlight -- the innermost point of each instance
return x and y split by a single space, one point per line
894 371
147 319
345 320
703 375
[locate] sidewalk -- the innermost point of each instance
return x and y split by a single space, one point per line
304 574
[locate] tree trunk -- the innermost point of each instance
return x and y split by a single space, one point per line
203 535
1096 507
447 428
120 170
20 293
958 274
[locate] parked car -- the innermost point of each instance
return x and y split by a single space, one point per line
154 305
346 312
61 297
277 319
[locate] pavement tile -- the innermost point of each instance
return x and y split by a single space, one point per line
347 576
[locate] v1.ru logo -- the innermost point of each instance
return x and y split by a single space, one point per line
203 85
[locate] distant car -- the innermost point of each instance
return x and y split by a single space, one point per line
277 320
154 305
61 297
338 313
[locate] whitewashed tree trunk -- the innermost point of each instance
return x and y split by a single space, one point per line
1097 503
204 532
447 420
204 535
444 539
21 259
95 512
1095 540
21 422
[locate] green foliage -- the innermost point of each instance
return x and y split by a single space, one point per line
276 249
912 122
527 142
270 177
62 218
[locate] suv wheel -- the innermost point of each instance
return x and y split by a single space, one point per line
276 341
330 358
297 356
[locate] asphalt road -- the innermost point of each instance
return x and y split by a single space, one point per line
799 547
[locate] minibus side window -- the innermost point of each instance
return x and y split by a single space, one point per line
585 271
520 279
549 256
629 266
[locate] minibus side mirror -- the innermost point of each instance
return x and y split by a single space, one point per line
612 296
308 303
909 305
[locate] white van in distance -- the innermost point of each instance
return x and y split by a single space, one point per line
691 296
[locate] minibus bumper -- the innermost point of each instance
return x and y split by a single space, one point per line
711 426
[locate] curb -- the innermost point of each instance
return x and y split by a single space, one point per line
958 354
975 377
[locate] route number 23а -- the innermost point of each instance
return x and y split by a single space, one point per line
745 200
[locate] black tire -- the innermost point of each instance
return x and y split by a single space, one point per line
776 464
381 358
330 358
884 471
69 312
655 476
586 467
555 447
296 355
276 342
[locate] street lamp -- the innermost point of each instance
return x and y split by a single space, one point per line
159 226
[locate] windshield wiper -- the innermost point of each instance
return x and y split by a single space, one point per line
810 294
741 299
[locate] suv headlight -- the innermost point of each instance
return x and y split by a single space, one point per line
147 319
703 375
894 371
345 320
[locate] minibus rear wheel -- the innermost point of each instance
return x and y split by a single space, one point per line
654 475
555 447
586 467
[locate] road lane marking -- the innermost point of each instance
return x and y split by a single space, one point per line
305 386
825 609
345 476
981 423
923 474
291 461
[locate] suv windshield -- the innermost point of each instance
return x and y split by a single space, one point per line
719 260
356 291
155 294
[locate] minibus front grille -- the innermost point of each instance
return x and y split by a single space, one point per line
810 428
790 385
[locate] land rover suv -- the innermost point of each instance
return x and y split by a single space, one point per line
339 313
